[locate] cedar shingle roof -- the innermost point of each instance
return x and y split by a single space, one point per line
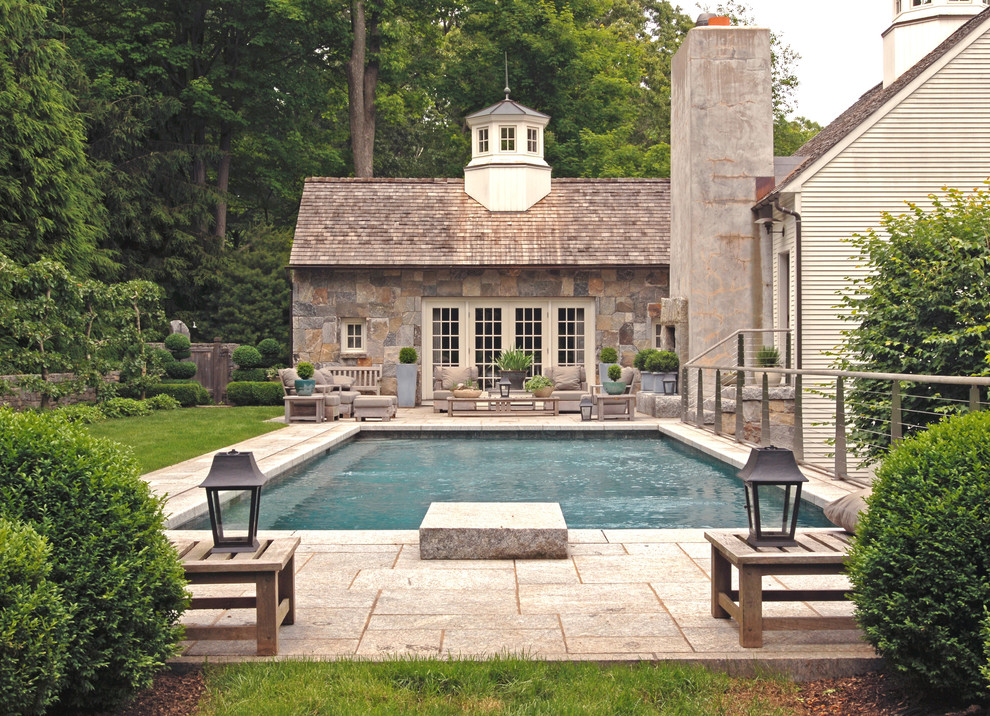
870 102
432 222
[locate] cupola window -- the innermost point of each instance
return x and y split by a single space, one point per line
508 139
483 140
532 140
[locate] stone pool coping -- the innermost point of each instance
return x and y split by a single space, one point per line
620 596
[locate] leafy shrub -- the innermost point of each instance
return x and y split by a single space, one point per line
247 357
609 355
117 571
305 370
920 564
80 413
251 375
160 356
537 382
614 372
514 359
255 393
663 362
178 345
986 648
768 357
408 355
639 362
188 393
181 370
33 622
271 352
162 402
123 408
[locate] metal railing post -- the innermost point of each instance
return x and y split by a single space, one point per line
700 414
798 447
787 359
684 394
740 421
741 350
765 412
717 427
974 398
841 468
895 412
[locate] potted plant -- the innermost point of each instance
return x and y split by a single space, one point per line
540 386
664 365
406 374
769 357
614 386
305 385
469 389
606 356
514 364
647 377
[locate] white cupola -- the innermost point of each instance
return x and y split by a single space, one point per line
919 27
507 170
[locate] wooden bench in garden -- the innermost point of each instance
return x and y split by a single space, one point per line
366 377
271 568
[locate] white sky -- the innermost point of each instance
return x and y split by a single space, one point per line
841 49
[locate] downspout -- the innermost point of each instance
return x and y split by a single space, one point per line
797 281
292 296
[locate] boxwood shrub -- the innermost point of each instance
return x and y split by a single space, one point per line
271 352
178 345
247 375
188 393
180 369
255 393
119 575
123 408
34 622
920 565
247 357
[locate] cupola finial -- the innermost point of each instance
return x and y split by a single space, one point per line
506 90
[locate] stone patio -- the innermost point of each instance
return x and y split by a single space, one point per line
621 595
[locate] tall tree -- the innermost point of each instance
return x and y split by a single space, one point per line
49 201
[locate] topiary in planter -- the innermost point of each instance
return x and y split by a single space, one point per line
178 345
34 622
408 355
117 571
639 362
247 357
920 565
608 355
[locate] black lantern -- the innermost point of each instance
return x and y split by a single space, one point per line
772 511
233 472
670 386
586 406
504 386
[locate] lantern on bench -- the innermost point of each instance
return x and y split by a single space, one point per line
234 472
773 496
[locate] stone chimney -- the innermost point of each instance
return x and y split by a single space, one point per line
721 142
507 170
918 28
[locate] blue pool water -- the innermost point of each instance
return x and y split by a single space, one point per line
389 482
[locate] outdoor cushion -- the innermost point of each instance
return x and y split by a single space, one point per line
345 380
566 377
289 378
323 377
844 512
628 375
451 376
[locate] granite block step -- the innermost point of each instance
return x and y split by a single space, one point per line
493 530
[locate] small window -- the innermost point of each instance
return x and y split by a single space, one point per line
352 338
508 139
532 140
483 140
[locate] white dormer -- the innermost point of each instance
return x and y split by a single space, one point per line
507 170
919 27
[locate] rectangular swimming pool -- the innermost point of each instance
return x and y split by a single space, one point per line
616 481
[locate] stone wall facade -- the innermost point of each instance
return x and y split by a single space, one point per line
390 300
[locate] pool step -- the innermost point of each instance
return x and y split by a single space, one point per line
493 530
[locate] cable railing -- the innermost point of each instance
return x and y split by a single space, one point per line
839 422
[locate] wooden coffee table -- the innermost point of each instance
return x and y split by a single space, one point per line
497 405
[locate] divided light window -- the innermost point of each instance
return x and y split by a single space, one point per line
532 140
570 336
446 336
483 140
508 139
352 340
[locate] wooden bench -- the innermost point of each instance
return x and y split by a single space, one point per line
822 552
366 378
271 568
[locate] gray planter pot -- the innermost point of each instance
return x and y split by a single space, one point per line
516 378
405 376
648 381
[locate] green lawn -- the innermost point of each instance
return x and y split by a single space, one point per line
169 436
497 686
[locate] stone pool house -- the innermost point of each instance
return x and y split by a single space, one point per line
736 239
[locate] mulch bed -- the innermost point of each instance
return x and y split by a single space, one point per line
177 693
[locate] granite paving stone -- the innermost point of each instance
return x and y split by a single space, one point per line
485 642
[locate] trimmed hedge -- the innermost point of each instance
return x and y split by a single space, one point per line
178 345
247 375
182 370
255 393
34 622
271 352
920 564
188 393
117 571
